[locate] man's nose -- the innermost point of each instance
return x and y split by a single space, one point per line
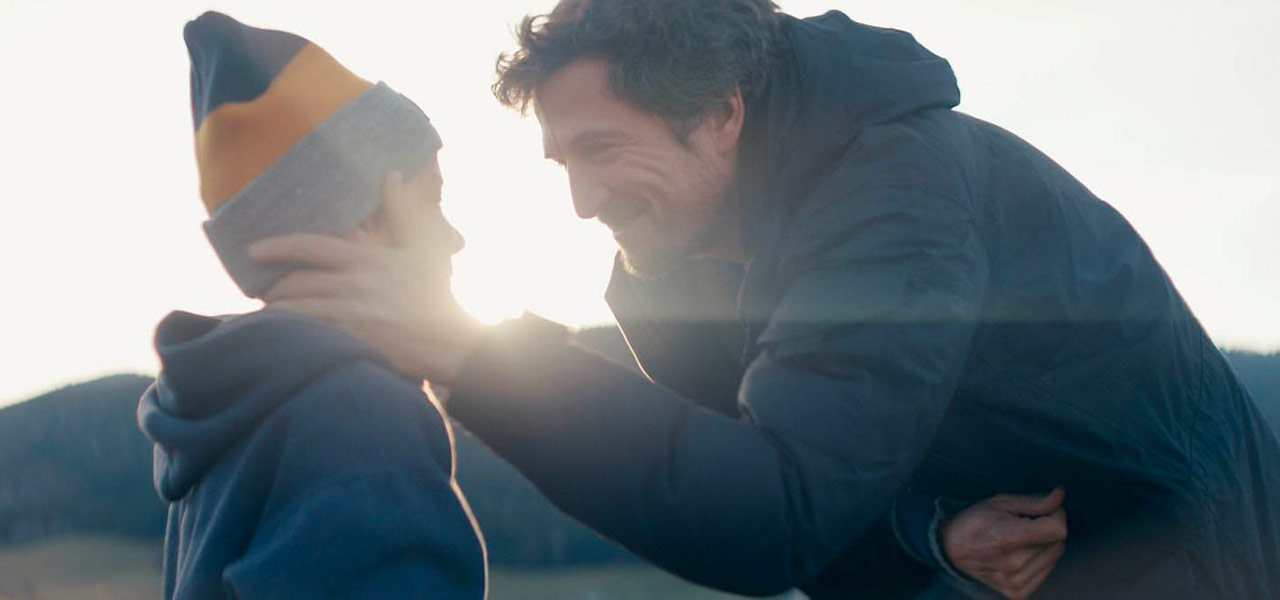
588 195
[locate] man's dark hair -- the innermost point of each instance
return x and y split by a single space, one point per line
676 58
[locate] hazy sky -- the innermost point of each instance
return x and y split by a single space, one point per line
1165 109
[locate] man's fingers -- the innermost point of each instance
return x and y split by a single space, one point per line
1028 580
1020 562
1016 561
347 314
321 251
1024 532
403 210
1044 530
1029 588
1032 505
311 283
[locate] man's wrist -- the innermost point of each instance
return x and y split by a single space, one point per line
937 543
461 348
919 522
496 351
439 358
944 510
911 516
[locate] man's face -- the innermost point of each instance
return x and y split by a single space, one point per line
627 169
433 233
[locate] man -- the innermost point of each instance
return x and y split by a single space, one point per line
282 481
929 307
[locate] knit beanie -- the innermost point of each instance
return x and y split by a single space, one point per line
288 140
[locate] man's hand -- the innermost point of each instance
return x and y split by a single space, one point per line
395 297
1009 542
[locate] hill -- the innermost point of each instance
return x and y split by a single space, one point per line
75 463
1260 374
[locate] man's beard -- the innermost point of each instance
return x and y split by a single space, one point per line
666 257
652 265
712 228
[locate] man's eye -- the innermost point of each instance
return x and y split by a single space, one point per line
599 151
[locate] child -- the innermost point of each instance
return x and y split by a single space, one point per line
296 462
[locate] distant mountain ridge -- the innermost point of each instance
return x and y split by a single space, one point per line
72 461
1260 374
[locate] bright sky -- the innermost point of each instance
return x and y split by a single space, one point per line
1165 109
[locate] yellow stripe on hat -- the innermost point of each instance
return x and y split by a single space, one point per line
238 141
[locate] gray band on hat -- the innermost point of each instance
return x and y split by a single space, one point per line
328 183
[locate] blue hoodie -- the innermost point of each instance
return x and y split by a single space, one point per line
299 465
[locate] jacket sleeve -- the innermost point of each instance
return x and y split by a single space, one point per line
364 503
857 368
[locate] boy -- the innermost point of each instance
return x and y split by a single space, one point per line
297 463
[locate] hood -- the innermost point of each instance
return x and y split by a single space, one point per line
221 376
831 79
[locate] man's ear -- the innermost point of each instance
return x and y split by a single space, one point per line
724 122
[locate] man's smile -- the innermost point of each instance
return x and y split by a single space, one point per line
619 214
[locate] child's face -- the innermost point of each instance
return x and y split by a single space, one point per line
419 208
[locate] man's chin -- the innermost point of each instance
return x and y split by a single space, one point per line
649 265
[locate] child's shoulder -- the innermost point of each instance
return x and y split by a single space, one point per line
363 414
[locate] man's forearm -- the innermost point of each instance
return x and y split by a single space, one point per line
712 499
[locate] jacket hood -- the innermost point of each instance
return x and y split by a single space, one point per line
221 376
831 79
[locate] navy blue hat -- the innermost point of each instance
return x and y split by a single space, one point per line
232 62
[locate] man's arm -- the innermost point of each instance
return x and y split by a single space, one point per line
684 329
732 504
856 370
840 403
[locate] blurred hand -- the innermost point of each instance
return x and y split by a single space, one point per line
1009 542
395 296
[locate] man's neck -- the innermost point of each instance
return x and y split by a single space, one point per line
724 237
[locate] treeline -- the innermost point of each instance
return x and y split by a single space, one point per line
73 461
1260 374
